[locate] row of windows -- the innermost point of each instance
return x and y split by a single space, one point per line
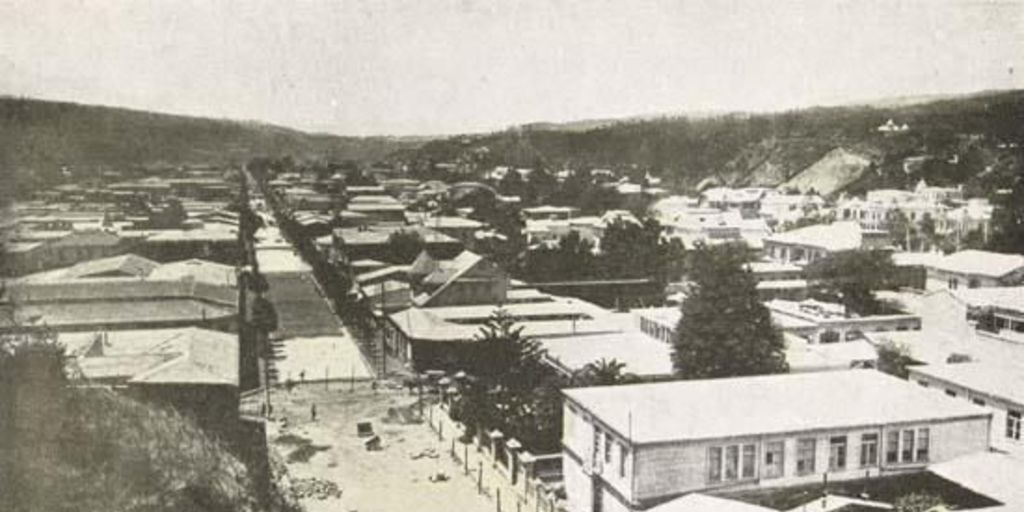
738 461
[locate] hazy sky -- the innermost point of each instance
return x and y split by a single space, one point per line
447 66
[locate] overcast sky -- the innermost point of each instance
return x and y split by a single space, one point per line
448 66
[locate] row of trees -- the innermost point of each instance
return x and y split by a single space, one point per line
628 250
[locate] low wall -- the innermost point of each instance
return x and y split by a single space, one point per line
515 478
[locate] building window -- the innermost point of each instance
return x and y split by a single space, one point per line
774 457
950 392
608 450
923 383
715 464
805 456
829 336
1013 425
892 446
868 450
622 460
978 401
749 461
922 444
907 452
837 453
732 462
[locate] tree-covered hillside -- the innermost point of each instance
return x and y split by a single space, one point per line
954 139
40 135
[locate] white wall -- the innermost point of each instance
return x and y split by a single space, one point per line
670 469
996 405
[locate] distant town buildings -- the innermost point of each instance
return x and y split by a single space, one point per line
949 213
891 127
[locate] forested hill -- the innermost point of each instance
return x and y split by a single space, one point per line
39 135
768 149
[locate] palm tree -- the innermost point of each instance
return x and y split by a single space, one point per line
604 372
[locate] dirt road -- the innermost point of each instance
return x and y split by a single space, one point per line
395 478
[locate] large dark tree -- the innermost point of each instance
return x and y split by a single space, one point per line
725 330
571 259
1008 219
629 250
404 246
852 277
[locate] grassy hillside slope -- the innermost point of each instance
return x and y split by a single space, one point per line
96 450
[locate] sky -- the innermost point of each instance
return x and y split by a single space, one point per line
428 67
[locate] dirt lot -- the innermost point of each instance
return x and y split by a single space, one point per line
393 479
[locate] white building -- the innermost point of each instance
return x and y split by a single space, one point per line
945 206
994 385
975 269
630 447
804 245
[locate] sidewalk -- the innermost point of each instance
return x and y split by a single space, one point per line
474 464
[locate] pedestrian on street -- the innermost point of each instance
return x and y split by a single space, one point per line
312 412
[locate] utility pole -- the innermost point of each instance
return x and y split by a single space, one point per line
242 283
383 320
251 340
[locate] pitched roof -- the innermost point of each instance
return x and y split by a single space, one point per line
1002 297
449 271
996 475
837 236
770 404
91 238
697 502
993 378
641 354
203 271
128 265
157 356
985 263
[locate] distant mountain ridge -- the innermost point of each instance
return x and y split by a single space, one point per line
43 134
771 149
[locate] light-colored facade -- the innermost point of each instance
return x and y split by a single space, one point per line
994 385
975 269
630 447
945 206
805 245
